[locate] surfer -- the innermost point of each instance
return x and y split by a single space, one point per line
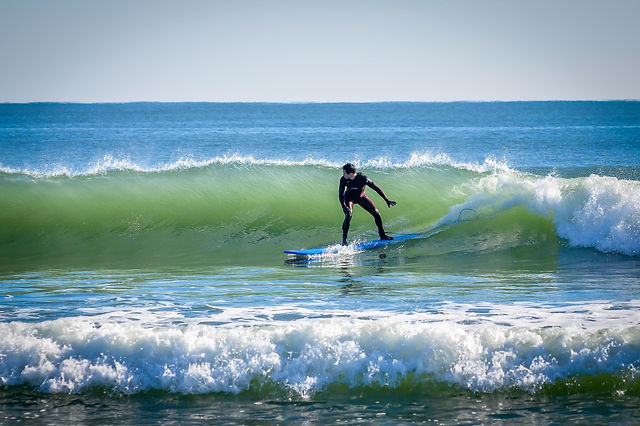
352 186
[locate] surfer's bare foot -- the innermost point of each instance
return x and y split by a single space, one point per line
386 237
344 243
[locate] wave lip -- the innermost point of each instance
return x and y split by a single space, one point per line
110 163
307 356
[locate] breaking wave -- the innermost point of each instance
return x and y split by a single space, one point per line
367 349
235 205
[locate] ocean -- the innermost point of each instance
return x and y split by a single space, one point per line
143 279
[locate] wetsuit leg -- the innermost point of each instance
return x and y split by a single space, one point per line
346 223
368 205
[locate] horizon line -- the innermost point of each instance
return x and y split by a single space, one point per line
308 102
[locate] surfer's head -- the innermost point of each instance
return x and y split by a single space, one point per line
349 171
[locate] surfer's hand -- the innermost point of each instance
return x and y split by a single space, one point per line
346 210
391 203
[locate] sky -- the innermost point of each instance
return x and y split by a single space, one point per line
318 51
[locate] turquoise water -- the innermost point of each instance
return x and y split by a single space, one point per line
143 276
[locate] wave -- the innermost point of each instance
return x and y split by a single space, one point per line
554 346
232 207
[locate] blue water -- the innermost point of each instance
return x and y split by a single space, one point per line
143 276
525 134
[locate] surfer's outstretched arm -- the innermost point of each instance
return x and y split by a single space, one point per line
380 192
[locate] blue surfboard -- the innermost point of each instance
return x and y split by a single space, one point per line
363 245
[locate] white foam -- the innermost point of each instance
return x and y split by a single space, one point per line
599 212
482 348
109 163
604 213
425 159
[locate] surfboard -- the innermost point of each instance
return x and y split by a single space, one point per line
362 245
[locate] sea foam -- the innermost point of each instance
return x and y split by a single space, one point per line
518 346
109 163
597 211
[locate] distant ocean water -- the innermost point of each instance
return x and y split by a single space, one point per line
143 276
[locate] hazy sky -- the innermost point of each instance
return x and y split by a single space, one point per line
297 51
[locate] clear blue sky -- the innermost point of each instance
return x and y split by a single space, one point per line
299 51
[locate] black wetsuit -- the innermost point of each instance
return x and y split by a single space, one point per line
352 192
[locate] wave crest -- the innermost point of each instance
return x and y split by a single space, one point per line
110 163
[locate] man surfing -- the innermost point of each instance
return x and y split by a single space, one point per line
352 186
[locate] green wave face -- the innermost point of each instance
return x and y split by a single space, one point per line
214 210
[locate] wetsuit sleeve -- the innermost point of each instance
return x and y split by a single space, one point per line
376 188
341 191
